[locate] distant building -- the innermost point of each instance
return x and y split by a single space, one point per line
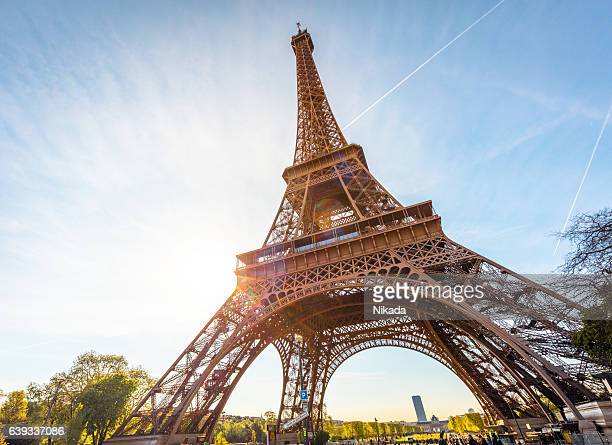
418 407
471 410
435 425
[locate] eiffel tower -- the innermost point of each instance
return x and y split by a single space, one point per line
302 292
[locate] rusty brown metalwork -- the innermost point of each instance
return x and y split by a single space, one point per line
302 292
317 129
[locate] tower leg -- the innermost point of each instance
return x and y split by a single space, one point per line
303 360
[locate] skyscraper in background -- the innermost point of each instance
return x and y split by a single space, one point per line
418 407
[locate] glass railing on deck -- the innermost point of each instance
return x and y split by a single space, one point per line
326 242
377 225
271 256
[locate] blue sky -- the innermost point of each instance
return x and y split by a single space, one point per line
141 147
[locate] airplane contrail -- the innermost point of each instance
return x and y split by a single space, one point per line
586 172
418 68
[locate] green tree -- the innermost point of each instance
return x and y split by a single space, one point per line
469 422
595 338
91 366
103 404
144 382
57 402
358 429
455 423
220 439
473 422
348 430
384 428
15 408
328 425
270 417
321 437
590 236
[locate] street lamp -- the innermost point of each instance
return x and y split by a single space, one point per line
377 435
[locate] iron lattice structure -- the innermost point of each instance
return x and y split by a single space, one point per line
302 292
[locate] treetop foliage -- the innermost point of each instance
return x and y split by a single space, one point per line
91 398
15 408
591 239
590 235
466 423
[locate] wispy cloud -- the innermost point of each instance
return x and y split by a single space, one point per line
103 174
560 110
532 132
552 102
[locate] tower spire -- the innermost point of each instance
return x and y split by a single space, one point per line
317 130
